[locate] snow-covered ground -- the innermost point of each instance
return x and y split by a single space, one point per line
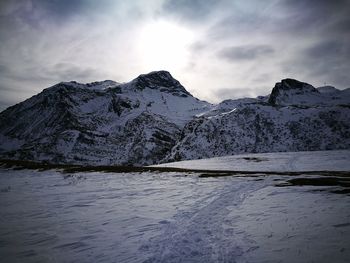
338 160
169 217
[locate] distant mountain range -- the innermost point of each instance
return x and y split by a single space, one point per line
154 119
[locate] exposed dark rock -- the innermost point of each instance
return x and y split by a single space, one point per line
161 80
289 87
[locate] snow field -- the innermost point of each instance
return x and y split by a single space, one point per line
169 217
338 160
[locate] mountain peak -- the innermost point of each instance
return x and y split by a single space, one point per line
161 80
288 88
160 74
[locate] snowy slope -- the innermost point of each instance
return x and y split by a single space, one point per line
327 89
261 128
161 94
295 117
294 92
101 122
338 160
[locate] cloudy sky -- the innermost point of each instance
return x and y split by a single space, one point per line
217 49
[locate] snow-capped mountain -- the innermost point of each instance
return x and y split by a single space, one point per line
258 127
101 122
294 92
154 119
295 117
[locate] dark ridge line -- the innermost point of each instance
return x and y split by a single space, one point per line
203 173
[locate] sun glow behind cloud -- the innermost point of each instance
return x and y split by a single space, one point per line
164 45
218 49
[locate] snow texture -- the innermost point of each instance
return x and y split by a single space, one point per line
169 217
272 162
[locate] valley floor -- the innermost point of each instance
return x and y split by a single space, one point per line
49 216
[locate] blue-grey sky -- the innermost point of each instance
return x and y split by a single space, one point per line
218 49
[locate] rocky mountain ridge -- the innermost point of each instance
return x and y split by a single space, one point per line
154 119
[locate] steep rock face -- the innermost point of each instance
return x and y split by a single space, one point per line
294 92
159 80
289 91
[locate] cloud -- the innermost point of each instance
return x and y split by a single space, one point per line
285 18
320 63
240 92
62 71
244 46
5 103
316 6
239 22
193 11
62 8
70 71
328 61
250 52
333 49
